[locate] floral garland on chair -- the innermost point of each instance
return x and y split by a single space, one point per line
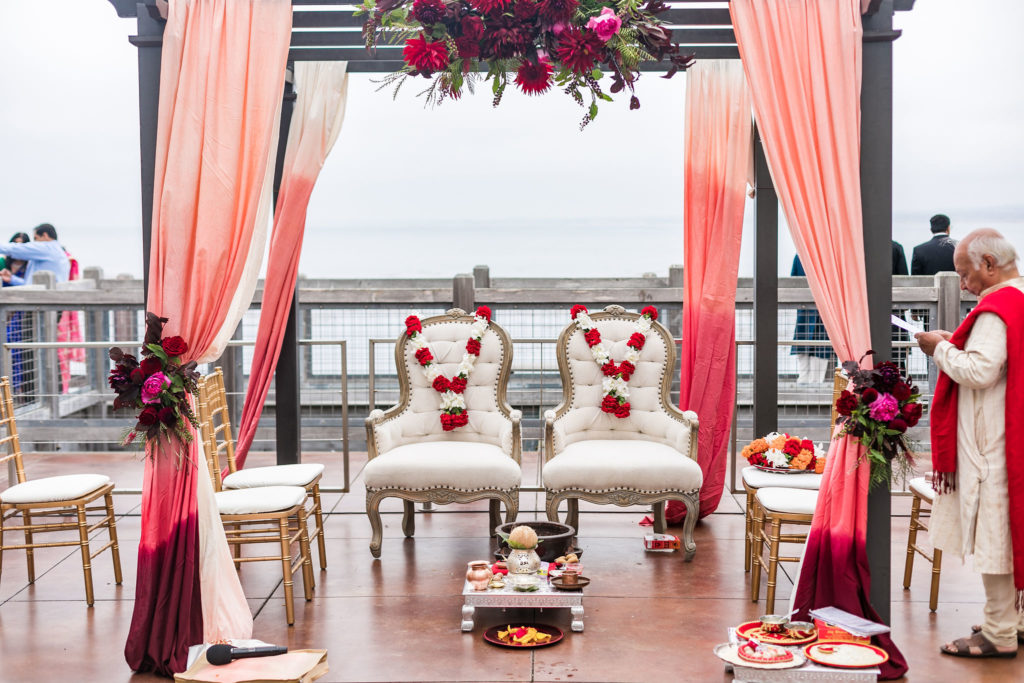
453 403
615 385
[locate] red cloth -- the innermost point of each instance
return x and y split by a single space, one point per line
1008 304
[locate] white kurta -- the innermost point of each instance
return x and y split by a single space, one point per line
974 519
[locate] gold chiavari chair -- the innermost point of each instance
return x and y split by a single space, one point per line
272 514
52 497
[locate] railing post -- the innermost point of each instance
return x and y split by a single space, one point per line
463 292
766 297
482 277
49 371
948 286
96 330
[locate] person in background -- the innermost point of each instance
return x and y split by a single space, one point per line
899 267
43 253
935 255
977 425
813 362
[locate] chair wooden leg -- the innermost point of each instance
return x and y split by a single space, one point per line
321 545
308 580
908 567
1 542
512 507
286 568
572 518
748 522
933 599
658 513
756 529
112 532
409 519
756 552
773 565
376 528
30 557
83 541
493 516
692 503
551 507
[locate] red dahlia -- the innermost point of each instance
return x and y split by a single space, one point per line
487 6
553 11
505 39
428 12
424 55
525 10
534 78
579 49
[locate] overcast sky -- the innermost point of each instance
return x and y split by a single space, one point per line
413 191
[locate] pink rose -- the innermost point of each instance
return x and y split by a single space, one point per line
152 387
605 25
884 408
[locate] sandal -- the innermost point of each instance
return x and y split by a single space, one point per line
1020 634
976 647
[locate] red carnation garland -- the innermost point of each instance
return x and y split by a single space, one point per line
453 404
616 376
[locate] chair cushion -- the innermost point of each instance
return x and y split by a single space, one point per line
759 479
461 465
606 464
922 487
277 475
53 489
786 500
254 501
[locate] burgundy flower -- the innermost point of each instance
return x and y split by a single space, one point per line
901 391
116 379
869 395
576 310
468 47
458 384
428 12
150 365
592 336
173 346
650 311
472 27
412 324
578 49
846 403
610 369
424 55
553 11
889 373
610 404
488 6
637 341
626 369
898 424
534 78
424 356
149 416
441 383
525 10
169 416
137 377
473 347
505 38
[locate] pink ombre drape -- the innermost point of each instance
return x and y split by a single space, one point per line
222 75
718 153
803 63
69 331
322 89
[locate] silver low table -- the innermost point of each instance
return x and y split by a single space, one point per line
547 596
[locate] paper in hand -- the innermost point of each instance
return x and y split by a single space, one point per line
903 324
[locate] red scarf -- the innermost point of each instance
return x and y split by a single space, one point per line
1008 304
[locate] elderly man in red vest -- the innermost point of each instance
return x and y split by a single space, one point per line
977 411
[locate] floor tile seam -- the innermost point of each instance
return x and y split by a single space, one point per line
40 576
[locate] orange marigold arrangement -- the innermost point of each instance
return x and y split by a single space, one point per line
779 451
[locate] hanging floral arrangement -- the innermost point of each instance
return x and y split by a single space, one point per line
537 44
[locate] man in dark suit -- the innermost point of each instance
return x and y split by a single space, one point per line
936 254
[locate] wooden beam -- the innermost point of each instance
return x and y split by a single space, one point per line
389 58
344 18
346 38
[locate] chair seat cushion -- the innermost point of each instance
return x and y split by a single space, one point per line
277 475
608 464
255 501
461 465
787 500
922 487
53 489
759 479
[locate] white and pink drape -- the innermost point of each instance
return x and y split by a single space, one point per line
803 63
322 89
222 76
718 156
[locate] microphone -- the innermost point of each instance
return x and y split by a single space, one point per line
223 654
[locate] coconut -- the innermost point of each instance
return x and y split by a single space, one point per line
523 538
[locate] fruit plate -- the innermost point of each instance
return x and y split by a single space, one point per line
727 653
845 655
783 470
491 636
752 630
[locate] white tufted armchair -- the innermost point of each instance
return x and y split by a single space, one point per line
648 457
413 458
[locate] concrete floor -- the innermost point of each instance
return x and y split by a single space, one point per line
648 616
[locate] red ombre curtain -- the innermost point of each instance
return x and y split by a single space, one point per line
221 80
803 63
719 148
322 89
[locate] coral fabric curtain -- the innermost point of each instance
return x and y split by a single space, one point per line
322 89
803 63
222 75
718 156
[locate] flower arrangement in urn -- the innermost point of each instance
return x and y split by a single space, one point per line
778 451
878 411
158 386
537 44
